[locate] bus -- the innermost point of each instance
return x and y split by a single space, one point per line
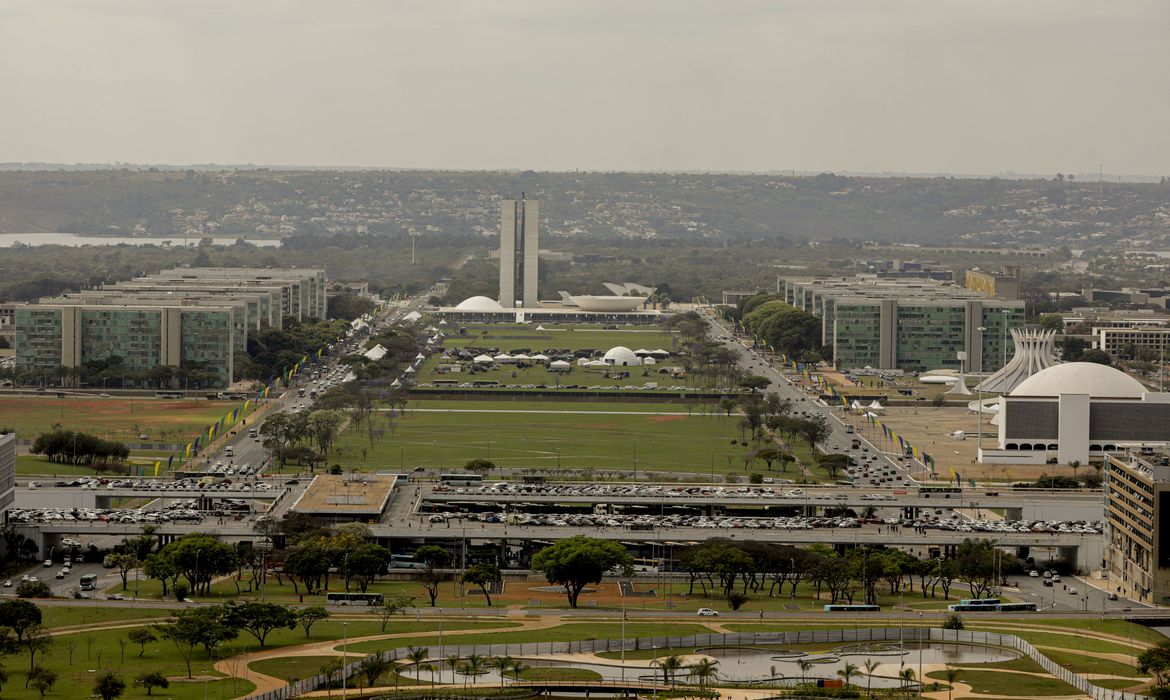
460 479
354 598
853 608
405 561
168 394
974 604
994 607
89 582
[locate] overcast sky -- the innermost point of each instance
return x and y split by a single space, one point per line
985 86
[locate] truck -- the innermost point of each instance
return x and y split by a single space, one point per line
854 444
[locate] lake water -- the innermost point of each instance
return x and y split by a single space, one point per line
7 240
759 665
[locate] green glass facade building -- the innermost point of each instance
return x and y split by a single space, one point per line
912 325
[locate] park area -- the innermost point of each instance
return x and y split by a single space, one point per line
687 439
84 642
117 418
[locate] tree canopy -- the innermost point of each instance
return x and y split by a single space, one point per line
578 561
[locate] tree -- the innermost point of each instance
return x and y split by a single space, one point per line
669 665
482 575
33 589
480 466
705 670
1098 356
1156 662
1052 322
197 626
754 383
124 563
312 615
578 561
502 664
430 578
19 615
41 679
141 636
975 563
735 599
906 675
373 667
151 680
281 431
391 607
109 685
367 563
324 426
847 672
200 558
805 666
870 666
951 674
259 619
36 640
159 566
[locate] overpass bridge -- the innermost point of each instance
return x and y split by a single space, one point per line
1071 546
1017 504
104 497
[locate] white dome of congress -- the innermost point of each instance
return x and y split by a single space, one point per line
1098 381
479 304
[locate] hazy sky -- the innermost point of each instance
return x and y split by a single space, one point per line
984 86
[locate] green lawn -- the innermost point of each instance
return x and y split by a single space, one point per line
115 418
1117 683
560 633
1071 641
54 616
1079 663
1012 684
1120 628
556 673
291 668
1022 663
697 444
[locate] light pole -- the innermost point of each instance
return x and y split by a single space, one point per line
1005 325
979 399
920 685
344 658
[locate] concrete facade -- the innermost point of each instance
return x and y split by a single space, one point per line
1137 496
519 253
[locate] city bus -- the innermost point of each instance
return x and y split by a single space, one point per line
460 479
853 608
89 582
405 561
974 604
168 394
353 598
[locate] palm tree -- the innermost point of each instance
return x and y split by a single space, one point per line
704 670
473 668
669 665
502 664
870 667
417 655
453 662
430 668
518 667
848 672
805 666
950 673
906 675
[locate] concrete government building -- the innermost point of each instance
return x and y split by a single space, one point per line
913 325
177 317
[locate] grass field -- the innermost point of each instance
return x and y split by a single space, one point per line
535 436
291 668
115 418
1011 684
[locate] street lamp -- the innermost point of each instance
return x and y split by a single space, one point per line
979 400
344 658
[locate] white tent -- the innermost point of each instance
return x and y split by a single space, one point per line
582 361
540 328
483 359
410 370
443 322
660 353
641 352
540 358
596 363
395 383
412 317
375 353
876 406
649 361
559 363
420 356
856 405
502 357
521 356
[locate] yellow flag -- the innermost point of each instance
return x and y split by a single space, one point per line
156 468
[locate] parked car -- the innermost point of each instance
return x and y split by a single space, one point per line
708 612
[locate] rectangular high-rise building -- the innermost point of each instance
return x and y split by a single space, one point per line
519 252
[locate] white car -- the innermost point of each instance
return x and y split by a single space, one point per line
708 612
